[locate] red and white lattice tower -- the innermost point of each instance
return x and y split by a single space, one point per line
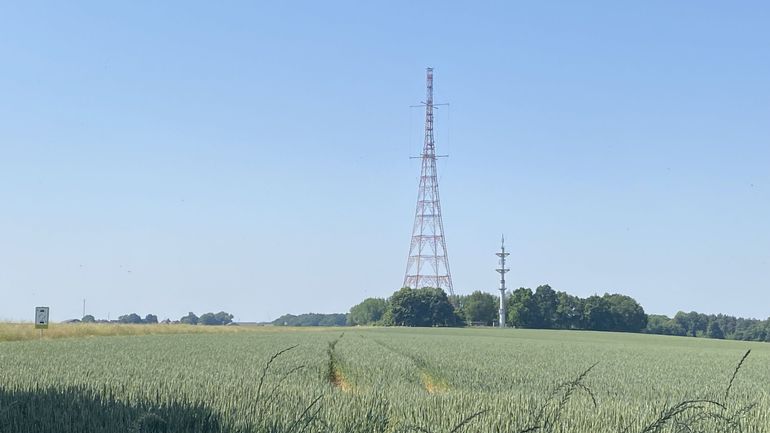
428 261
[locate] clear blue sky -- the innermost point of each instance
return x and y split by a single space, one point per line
253 158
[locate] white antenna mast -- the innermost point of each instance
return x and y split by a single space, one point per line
502 271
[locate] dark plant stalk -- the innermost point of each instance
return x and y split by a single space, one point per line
282 379
267 367
735 373
304 415
672 412
467 420
546 420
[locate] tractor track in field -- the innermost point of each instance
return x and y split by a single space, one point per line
431 381
334 373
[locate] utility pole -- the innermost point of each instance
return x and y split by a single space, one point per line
428 262
502 271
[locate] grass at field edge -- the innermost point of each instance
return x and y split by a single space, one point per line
27 331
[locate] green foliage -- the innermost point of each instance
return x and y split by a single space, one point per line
427 306
659 324
212 319
569 312
596 314
714 331
626 314
208 319
548 309
88 319
312 319
522 309
189 319
478 307
150 319
368 312
694 324
406 308
130 318
712 326
546 303
224 318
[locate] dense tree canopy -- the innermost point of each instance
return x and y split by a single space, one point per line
130 318
311 319
212 319
542 308
658 324
189 319
696 324
548 309
478 308
714 330
221 318
427 306
522 311
569 312
368 312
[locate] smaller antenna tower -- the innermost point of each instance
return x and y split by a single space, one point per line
502 271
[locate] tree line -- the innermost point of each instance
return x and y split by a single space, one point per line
543 308
209 319
311 319
720 326
220 318
546 308
427 306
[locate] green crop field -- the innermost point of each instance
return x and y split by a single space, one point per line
384 380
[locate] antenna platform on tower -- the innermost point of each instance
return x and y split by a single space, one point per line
428 261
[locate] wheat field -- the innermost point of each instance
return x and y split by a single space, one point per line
384 380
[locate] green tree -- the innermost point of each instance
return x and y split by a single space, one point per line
130 318
311 319
714 330
523 312
480 307
695 323
596 314
442 312
189 319
626 314
335 319
545 300
427 306
224 318
208 319
368 312
211 319
150 318
88 319
663 325
569 312
405 308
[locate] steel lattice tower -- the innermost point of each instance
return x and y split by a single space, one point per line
428 261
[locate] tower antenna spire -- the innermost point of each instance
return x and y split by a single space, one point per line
428 262
502 271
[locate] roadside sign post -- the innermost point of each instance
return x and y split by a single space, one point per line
41 319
